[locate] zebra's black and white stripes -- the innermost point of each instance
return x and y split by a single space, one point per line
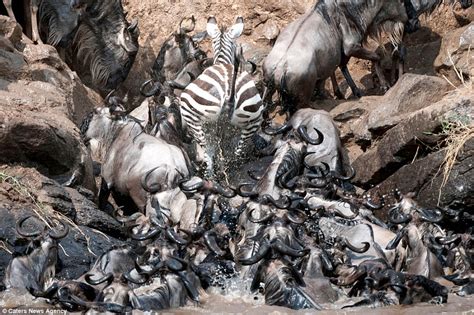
222 90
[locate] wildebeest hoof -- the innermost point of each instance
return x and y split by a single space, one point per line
436 300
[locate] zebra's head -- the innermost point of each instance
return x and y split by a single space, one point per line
223 42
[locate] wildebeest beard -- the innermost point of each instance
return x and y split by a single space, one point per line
96 43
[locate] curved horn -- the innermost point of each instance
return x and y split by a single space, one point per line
190 188
396 240
254 176
175 85
60 235
107 98
243 193
262 252
433 216
254 66
279 130
174 237
221 191
305 136
280 204
151 234
369 203
448 240
398 218
359 250
350 176
264 219
20 231
211 243
176 264
127 219
155 88
108 277
128 277
295 219
287 250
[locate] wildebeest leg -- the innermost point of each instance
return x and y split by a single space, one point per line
398 63
362 53
104 194
335 87
355 90
34 22
8 6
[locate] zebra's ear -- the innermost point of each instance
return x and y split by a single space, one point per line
212 28
236 30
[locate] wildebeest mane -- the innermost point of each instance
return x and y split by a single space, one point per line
57 21
95 42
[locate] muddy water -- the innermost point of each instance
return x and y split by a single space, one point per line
215 303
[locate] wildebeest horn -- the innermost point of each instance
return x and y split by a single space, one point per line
448 240
151 234
126 219
60 235
131 28
261 253
176 264
192 77
107 278
305 136
369 203
128 277
254 176
282 203
186 186
175 85
107 98
359 250
398 218
350 176
174 237
396 240
264 219
211 243
20 231
155 88
295 219
254 66
241 193
276 131
221 191
287 250
433 216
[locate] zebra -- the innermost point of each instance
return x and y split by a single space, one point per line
222 93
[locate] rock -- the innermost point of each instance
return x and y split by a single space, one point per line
411 93
456 51
11 30
79 249
411 138
424 177
78 206
270 30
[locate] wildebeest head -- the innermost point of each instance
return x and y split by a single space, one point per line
106 44
36 268
100 122
178 50
223 42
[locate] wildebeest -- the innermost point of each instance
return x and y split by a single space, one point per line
105 44
135 163
35 269
178 50
310 49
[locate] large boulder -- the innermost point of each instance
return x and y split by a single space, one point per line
412 138
456 53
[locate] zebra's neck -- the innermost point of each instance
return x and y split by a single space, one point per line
224 50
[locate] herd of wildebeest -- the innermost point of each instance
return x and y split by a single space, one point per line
209 189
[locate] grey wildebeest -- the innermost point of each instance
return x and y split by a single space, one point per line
178 50
135 163
310 49
37 267
105 44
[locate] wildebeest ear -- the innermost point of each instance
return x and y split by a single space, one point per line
199 37
236 30
187 25
212 28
